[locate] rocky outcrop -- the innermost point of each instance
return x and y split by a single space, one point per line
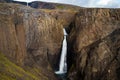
64 17
31 39
95 44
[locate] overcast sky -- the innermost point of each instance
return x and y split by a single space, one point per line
85 3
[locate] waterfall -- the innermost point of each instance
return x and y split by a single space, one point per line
63 60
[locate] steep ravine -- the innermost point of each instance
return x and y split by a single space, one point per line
31 39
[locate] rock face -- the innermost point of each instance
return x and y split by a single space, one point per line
12 34
30 38
43 36
64 17
95 44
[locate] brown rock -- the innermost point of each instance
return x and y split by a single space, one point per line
95 39
30 38
12 41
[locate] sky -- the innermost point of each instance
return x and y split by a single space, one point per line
85 3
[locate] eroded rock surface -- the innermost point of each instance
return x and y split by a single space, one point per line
30 38
95 39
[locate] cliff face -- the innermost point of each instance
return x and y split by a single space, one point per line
95 40
30 38
12 38
43 37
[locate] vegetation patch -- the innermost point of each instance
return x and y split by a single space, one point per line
10 71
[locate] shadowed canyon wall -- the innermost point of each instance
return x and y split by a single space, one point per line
95 41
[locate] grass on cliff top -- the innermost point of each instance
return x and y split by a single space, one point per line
10 71
58 10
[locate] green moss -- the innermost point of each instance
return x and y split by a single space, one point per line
60 7
10 71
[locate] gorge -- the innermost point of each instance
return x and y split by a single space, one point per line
31 42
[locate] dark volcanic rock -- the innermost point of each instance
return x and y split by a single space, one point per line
42 5
96 45
52 6
22 3
6 0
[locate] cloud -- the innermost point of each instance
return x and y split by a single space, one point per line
108 3
113 4
103 2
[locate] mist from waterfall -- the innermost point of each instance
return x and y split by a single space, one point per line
63 59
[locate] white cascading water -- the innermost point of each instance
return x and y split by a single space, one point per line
63 60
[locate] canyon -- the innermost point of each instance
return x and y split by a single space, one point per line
31 42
